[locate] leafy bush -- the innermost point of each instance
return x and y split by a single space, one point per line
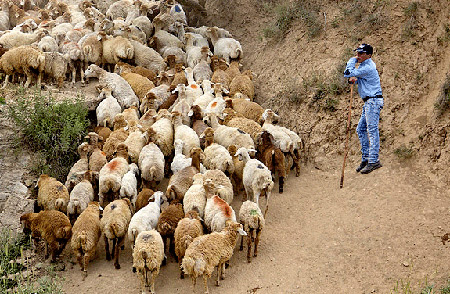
52 129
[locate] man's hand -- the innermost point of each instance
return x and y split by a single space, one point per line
352 80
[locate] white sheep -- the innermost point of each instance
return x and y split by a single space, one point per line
216 156
151 161
180 160
136 141
107 109
185 133
48 44
252 220
147 57
120 88
195 197
226 48
164 132
110 177
128 187
281 139
217 210
148 255
13 39
257 178
146 218
207 96
80 196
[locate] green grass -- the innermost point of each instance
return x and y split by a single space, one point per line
287 14
51 129
411 25
404 152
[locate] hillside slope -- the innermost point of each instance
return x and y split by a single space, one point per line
411 40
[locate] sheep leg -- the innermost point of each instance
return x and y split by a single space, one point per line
179 265
108 255
205 282
249 245
194 282
54 252
241 247
46 250
28 82
82 75
85 264
258 235
116 252
6 81
222 271
267 203
143 278
74 74
113 251
39 79
152 282
219 267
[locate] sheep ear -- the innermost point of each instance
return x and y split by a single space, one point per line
100 208
190 113
125 128
241 232
225 91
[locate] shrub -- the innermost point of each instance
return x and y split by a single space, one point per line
411 25
404 152
50 128
442 103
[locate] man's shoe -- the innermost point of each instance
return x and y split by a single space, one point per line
371 167
362 165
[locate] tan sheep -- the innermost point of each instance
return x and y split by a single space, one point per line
142 199
122 67
148 255
86 233
114 224
242 83
189 228
119 135
251 218
21 60
208 251
52 194
52 226
140 84
81 165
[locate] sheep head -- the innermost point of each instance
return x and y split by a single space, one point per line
93 70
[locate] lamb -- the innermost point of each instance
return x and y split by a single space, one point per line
86 233
185 133
164 39
182 105
157 95
180 182
195 196
225 47
92 48
119 135
187 230
219 76
140 84
151 161
217 105
114 224
128 186
81 195
208 251
236 177
227 136
148 256
233 70
97 159
253 222
224 188
111 174
257 178
179 77
146 218
216 156
52 194
135 142
13 39
119 9
148 119
120 88
81 165
168 221
144 23
142 199
107 109
131 116
242 83
147 57
55 66
52 226
22 60
272 157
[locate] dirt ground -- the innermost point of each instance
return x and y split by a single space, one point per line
382 232
379 231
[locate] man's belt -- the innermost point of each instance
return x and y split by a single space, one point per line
370 97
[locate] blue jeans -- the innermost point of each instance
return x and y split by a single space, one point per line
367 129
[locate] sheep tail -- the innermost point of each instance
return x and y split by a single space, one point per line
171 193
83 241
77 207
114 229
59 204
194 267
239 53
64 232
134 233
110 184
187 240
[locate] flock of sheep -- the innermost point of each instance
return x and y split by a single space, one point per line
173 104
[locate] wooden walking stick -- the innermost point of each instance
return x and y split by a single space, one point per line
347 135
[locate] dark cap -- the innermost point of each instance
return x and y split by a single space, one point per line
364 48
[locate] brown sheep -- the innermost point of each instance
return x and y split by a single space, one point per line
242 83
168 221
50 225
86 233
143 199
52 194
272 157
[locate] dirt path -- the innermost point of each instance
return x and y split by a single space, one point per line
365 238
